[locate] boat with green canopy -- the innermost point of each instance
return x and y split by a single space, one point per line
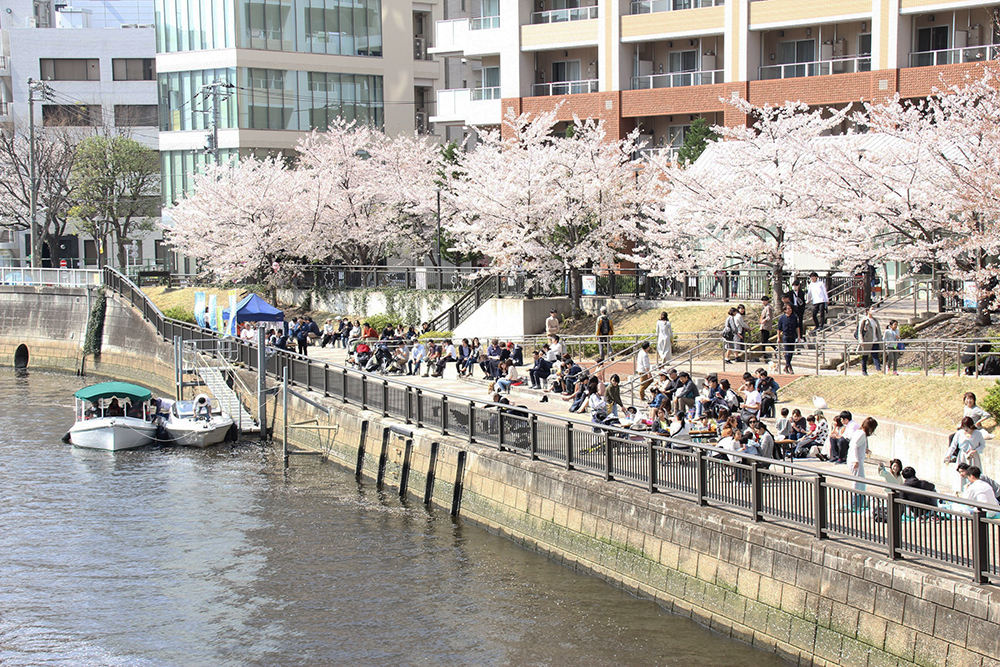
113 416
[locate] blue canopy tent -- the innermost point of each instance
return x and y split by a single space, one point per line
254 309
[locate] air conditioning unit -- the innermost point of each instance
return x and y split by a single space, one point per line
130 25
420 122
419 48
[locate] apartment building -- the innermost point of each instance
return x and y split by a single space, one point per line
97 58
659 64
287 67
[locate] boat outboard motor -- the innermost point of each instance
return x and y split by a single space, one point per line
203 407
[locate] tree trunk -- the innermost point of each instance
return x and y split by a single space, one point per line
576 289
777 280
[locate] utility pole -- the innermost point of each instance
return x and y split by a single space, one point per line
36 241
218 90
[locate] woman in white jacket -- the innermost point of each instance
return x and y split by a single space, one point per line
664 338
856 452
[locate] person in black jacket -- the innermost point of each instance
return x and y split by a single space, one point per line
540 371
911 481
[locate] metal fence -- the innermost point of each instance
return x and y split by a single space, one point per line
825 505
51 277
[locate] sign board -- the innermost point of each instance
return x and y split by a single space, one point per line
589 285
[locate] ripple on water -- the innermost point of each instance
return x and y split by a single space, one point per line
215 557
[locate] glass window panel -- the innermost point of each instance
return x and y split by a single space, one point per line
347 35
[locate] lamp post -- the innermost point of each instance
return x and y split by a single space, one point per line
439 226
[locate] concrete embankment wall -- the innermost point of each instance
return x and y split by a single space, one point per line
814 602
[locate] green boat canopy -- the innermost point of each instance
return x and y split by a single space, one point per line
114 390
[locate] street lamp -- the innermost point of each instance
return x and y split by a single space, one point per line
439 225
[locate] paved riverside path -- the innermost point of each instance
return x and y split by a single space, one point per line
476 389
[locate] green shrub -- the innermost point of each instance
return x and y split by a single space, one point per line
382 320
991 401
437 335
907 331
180 313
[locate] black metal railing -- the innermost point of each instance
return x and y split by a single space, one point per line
823 504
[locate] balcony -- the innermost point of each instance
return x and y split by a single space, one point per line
475 36
970 54
468 106
847 65
564 88
677 79
665 153
564 15
655 6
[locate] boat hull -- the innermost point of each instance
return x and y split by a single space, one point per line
112 433
197 433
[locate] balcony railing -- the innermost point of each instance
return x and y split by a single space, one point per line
563 15
4 109
970 54
652 6
668 153
564 88
677 79
846 65
488 93
484 22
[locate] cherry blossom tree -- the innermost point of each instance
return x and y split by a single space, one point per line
545 204
368 195
753 197
240 218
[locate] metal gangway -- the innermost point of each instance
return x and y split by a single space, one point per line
210 361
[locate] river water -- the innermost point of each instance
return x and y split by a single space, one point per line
170 556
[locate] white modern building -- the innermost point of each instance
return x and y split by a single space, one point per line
98 60
287 67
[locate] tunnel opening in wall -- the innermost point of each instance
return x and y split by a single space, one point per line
21 357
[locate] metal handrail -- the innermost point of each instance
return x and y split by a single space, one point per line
220 349
791 493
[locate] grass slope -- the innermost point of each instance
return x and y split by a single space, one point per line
929 401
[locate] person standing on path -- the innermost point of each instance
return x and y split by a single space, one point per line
552 323
605 329
856 452
664 339
642 369
766 324
788 335
869 335
819 300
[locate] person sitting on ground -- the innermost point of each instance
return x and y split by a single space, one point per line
656 401
812 444
751 402
447 354
838 450
783 425
579 395
911 481
388 332
425 327
596 403
464 352
417 355
685 394
765 441
679 426
768 388
799 425
400 359
493 359
707 396
509 378
892 474
974 412
540 370
571 374
978 490
963 471
516 353
329 331
613 395
555 348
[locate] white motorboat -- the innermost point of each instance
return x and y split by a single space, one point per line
112 416
192 424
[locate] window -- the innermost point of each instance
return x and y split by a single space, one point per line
71 115
865 49
800 51
566 70
136 115
70 69
932 45
133 69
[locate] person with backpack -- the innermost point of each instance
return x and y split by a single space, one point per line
730 334
605 329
